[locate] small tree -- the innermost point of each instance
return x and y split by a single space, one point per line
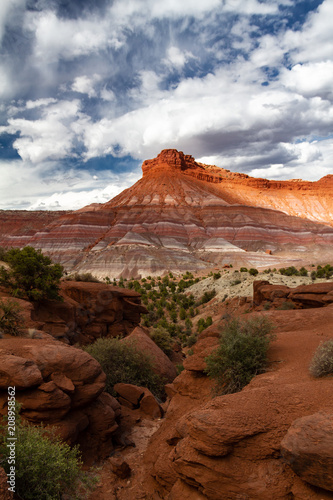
31 275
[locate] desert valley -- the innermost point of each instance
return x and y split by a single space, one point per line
164 275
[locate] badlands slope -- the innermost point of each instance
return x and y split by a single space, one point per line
183 215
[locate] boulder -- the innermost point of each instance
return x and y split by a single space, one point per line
162 364
18 371
129 392
203 348
308 449
61 386
120 467
135 397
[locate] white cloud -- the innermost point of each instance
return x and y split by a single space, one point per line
51 186
40 102
86 85
314 41
177 58
107 95
312 79
251 7
68 38
48 138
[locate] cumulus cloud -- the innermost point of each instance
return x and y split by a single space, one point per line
86 85
56 187
244 85
311 79
48 138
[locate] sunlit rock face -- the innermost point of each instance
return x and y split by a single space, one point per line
183 215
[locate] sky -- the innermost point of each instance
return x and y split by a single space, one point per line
91 88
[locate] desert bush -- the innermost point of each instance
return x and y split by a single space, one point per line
163 339
31 275
322 361
235 282
207 296
243 270
216 276
124 362
11 320
45 467
191 340
204 323
253 272
87 277
241 355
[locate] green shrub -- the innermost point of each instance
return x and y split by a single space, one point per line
86 277
163 339
243 270
241 355
11 320
207 296
45 467
322 361
216 276
253 272
31 275
191 340
235 282
124 362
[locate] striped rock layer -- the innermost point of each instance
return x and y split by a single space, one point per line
183 215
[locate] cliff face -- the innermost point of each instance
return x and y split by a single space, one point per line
183 215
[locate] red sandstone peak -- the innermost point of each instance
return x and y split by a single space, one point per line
169 158
184 215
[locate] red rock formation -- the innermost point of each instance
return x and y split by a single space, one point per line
229 446
60 386
308 449
135 397
88 311
144 343
301 297
184 215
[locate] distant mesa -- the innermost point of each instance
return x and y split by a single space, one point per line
184 215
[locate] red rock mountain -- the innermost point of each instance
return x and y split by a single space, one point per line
183 215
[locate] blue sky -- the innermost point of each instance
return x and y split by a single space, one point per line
91 88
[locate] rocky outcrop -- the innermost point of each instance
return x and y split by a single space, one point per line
229 446
300 297
141 398
88 311
308 449
61 386
185 215
142 342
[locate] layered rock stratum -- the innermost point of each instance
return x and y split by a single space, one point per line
183 215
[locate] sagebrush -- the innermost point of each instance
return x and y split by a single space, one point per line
124 362
322 361
45 467
241 354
